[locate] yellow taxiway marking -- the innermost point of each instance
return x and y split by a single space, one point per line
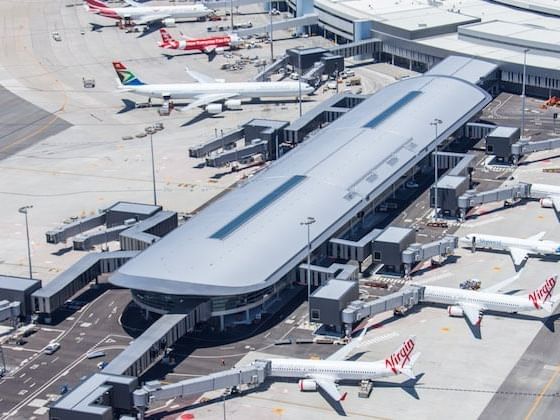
539 397
496 268
444 330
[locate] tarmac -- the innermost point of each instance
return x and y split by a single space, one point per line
87 166
79 163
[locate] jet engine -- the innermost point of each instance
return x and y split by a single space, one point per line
214 108
307 385
546 203
455 311
168 22
233 104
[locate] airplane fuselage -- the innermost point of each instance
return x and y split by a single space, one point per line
138 13
241 89
488 301
200 44
341 370
504 243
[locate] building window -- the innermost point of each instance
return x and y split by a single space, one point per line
377 255
315 314
490 148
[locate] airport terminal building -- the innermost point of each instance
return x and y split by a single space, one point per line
418 35
239 253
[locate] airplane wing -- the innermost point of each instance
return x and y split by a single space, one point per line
472 312
497 288
344 352
151 18
518 255
537 237
199 77
202 100
556 203
328 385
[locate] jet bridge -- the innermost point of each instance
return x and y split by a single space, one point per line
252 375
472 198
357 310
522 147
278 25
417 252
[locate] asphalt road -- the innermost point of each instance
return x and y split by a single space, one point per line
532 389
36 377
23 124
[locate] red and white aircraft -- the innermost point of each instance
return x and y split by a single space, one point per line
472 304
209 45
143 15
325 374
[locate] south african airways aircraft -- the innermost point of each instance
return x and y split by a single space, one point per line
208 92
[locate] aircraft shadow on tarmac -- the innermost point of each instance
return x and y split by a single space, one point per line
128 105
211 56
408 386
150 29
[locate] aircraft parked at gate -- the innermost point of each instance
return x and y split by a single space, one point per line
472 304
324 374
519 249
208 91
142 15
209 45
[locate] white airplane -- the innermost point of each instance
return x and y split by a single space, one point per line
143 15
550 195
519 249
208 91
325 374
472 304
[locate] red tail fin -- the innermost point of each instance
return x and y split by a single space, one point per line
543 293
97 4
401 357
166 37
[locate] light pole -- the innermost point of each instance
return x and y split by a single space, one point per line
271 36
308 222
435 123
299 82
24 210
525 51
231 14
153 165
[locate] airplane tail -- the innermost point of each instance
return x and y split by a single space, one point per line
541 296
402 360
126 77
96 4
166 37
407 370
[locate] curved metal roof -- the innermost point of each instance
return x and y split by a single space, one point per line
251 237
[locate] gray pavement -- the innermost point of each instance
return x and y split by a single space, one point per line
24 124
532 389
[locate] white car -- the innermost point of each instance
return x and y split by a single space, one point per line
51 348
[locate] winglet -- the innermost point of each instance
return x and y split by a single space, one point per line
343 397
537 237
